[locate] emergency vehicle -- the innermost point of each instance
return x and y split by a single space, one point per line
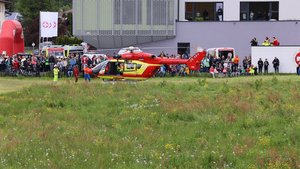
219 52
73 49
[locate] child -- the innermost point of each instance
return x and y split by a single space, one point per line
234 71
247 71
229 71
55 71
212 71
76 73
187 70
251 70
86 74
225 71
244 71
238 71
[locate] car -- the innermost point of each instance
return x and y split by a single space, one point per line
36 52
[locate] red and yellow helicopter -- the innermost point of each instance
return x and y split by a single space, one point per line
138 65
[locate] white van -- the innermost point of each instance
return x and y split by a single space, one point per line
219 52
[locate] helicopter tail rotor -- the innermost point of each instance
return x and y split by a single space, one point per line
198 49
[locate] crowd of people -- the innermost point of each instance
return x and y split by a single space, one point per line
225 66
58 66
69 67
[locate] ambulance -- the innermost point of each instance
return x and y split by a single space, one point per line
219 52
57 52
73 49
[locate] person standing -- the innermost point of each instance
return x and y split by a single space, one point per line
251 16
76 73
249 60
55 72
72 61
51 62
205 14
253 42
86 74
260 65
47 64
276 65
220 13
38 68
206 64
259 16
236 62
42 61
266 66
245 62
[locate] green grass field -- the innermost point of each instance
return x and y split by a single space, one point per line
245 122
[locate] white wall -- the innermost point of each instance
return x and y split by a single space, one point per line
285 54
288 9
2 15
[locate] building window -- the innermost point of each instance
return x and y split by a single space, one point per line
128 9
202 11
161 12
253 11
183 48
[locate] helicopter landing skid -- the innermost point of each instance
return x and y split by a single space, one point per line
113 81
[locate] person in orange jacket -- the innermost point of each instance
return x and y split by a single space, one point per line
86 73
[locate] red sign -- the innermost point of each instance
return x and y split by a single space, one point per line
45 24
49 24
297 58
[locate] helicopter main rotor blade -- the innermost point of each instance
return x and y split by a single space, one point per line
146 48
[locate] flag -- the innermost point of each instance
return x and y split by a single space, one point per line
85 46
49 24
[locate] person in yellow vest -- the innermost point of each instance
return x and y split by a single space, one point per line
55 71
251 70
187 70
120 68
267 42
47 66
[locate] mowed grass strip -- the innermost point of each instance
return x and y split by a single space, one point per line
252 123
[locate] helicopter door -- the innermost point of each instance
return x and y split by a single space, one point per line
130 69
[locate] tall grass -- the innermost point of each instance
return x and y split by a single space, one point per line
251 124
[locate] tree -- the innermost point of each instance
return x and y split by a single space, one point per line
30 9
31 33
70 22
11 7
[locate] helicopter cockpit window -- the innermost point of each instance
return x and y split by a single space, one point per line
139 66
130 66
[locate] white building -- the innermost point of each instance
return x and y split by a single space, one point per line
239 10
174 24
2 12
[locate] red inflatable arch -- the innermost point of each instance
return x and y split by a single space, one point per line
11 38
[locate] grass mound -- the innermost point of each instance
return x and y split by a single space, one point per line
251 124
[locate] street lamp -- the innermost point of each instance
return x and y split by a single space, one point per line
33 44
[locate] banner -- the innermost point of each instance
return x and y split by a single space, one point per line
49 24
